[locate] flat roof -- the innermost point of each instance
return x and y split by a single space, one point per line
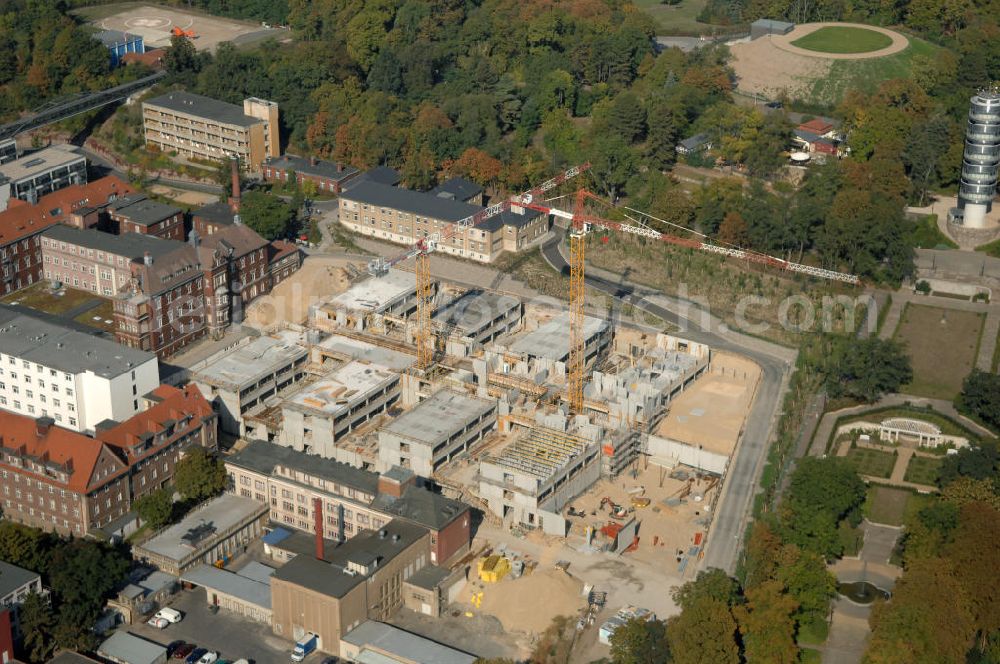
264 457
474 310
551 340
404 646
340 389
429 577
13 577
376 293
438 416
130 245
127 647
116 37
143 210
219 515
332 578
301 543
56 347
253 588
41 161
189 103
246 364
358 349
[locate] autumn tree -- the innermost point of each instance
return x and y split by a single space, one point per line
640 641
767 625
733 230
477 166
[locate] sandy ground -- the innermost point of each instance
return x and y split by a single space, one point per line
154 24
771 66
530 603
194 198
319 279
711 412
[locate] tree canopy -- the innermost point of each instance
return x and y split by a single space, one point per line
270 216
199 475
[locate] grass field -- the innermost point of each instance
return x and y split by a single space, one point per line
991 249
942 344
923 470
843 39
676 19
925 234
871 462
887 505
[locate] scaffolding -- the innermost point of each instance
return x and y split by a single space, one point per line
541 452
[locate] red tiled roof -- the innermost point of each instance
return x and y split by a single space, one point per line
152 57
816 126
21 219
174 404
57 445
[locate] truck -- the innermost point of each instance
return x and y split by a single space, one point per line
304 646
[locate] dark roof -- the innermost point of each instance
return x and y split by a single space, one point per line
262 456
299 543
694 141
331 578
141 210
13 577
415 202
421 506
509 218
381 175
429 577
322 168
115 37
239 239
218 212
180 101
806 136
457 188
132 245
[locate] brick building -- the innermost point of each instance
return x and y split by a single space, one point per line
21 224
327 176
163 308
284 259
66 481
136 213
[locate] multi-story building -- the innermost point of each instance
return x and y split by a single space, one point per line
8 150
163 308
241 379
196 126
75 378
21 224
404 216
91 260
136 213
245 254
16 583
69 482
363 581
435 431
284 259
351 500
328 176
459 189
34 175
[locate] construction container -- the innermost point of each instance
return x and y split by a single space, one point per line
493 568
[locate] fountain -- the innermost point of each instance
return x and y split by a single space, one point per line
862 592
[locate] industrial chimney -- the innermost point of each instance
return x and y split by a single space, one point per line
234 200
318 527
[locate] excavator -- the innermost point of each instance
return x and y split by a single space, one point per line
617 511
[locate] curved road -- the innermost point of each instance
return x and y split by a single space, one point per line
735 504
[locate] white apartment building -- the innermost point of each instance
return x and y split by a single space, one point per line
77 379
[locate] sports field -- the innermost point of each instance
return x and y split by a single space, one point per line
843 39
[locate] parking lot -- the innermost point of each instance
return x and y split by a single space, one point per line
231 636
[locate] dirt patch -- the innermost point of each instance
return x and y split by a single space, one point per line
184 197
942 344
318 279
529 604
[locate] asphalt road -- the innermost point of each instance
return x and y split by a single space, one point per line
733 510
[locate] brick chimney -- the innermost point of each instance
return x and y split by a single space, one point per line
234 200
395 481
318 516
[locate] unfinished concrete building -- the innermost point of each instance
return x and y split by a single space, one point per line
531 479
474 318
240 380
318 416
437 430
549 342
369 302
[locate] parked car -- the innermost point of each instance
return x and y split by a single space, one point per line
157 622
172 615
183 651
173 646
195 655
209 658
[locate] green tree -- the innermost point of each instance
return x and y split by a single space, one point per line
180 57
713 584
37 622
767 625
806 578
867 368
927 145
980 397
24 546
821 494
627 117
611 163
661 141
155 508
270 216
766 154
705 632
199 475
640 642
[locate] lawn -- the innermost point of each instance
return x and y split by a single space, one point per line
843 39
39 296
681 18
810 656
942 344
925 234
102 316
871 462
923 470
991 249
887 505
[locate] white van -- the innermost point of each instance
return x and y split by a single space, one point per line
172 615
